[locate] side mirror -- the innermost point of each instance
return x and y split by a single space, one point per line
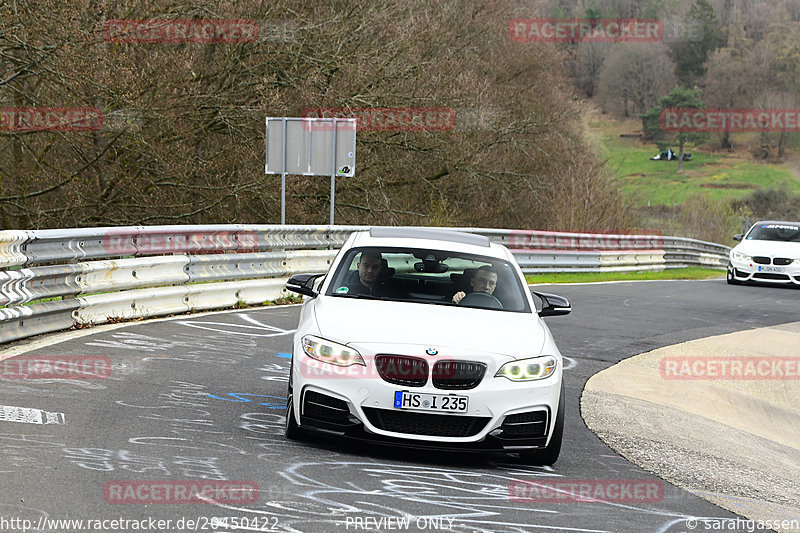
553 305
303 284
738 237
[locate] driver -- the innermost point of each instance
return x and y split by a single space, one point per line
484 280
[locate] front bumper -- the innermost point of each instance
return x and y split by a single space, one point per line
748 271
502 415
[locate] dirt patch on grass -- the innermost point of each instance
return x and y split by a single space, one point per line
729 186
695 173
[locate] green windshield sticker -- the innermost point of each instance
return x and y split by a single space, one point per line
342 290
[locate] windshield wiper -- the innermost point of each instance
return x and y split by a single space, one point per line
361 296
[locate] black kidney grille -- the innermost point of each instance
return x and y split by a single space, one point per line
761 260
425 424
402 370
457 374
782 261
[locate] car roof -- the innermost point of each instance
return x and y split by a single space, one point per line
795 223
433 238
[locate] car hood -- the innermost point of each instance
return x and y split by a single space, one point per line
449 329
769 248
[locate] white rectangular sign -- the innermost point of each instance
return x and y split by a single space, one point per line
308 146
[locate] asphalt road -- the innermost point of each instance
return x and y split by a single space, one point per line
202 398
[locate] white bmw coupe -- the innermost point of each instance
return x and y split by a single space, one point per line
768 253
427 338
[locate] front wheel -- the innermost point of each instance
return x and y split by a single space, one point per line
292 430
731 280
549 454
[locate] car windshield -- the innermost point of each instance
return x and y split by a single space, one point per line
428 276
775 232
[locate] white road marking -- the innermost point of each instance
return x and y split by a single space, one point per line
54 338
569 362
27 415
239 329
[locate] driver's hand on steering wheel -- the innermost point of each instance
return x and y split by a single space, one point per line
458 296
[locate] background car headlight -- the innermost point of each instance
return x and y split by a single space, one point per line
331 352
528 369
741 257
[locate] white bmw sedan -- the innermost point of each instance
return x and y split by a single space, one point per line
427 338
768 253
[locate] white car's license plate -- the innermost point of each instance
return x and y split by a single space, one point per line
430 402
771 269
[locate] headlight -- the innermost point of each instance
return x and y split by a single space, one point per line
796 261
528 369
331 352
741 257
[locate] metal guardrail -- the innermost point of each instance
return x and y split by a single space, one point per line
93 275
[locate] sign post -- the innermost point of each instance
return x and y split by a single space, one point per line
310 147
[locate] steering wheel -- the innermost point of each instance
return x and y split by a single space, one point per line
481 299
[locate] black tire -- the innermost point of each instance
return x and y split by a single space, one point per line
549 454
292 430
731 280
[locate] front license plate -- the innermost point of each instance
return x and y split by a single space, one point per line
449 403
778 270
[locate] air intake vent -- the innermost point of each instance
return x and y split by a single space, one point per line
533 424
424 423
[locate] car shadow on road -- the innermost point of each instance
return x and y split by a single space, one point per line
361 449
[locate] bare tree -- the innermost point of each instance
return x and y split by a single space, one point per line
634 77
730 82
589 60
184 142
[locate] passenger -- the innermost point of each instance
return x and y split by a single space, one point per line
484 280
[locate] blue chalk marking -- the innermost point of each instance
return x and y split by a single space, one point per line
284 355
240 398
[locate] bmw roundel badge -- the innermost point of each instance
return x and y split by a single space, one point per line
431 351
